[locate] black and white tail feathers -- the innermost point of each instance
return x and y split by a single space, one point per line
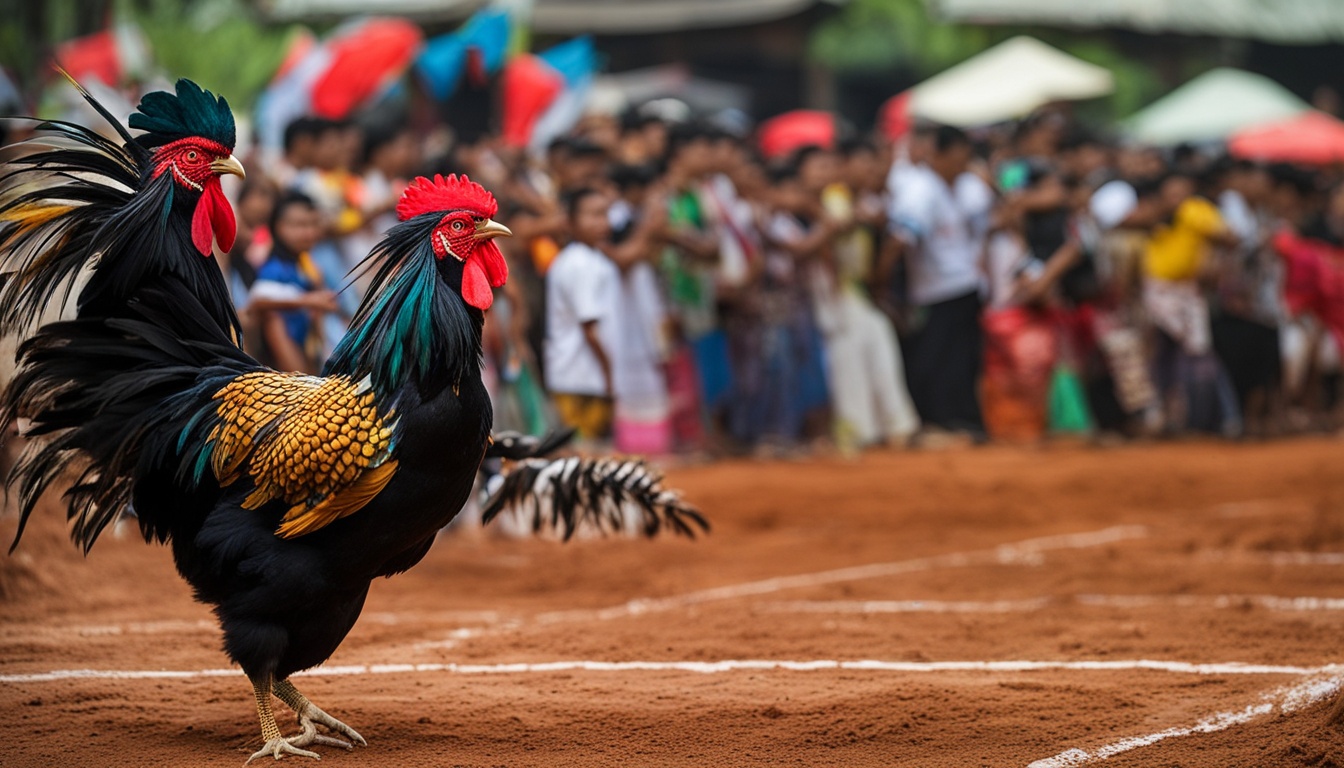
568 494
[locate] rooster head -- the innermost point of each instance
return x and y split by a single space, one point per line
190 136
463 234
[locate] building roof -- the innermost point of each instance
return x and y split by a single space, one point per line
1279 21
609 17
645 16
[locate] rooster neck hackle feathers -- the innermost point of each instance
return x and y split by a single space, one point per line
417 329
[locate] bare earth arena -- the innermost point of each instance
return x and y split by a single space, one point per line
1155 605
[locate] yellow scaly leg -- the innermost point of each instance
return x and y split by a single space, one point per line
276 745
311 716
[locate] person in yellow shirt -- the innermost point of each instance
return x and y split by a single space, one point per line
1179 253
1177 250
1174 260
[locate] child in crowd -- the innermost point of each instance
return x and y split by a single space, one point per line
287 296
583 317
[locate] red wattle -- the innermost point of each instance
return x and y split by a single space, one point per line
200 227
213 216
496 268
475 287
221 216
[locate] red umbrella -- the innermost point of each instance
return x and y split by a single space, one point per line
792 131
894 117
529 86
1312 138
365 59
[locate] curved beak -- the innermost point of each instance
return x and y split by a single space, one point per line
490 228
228 164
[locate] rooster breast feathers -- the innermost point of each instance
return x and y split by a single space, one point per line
321 445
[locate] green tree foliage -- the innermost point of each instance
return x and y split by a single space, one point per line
220 43
873 35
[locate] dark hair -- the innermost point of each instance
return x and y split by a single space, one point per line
287 200
633 120
1078 137
627 177
558 144
1148 187
377 137
680 137
325 126
779 173
801 155
303 127
856 146
1038 171
946 137
583 147
1302 181
574 198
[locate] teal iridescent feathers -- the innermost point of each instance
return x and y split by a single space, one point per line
411 325
192 111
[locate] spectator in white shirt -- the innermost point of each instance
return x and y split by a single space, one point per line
583 317
941 213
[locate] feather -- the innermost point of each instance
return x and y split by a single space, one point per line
570 494
190 111
302 519
410 326
80 213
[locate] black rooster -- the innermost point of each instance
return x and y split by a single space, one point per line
254 476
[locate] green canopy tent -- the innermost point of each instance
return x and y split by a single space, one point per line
1212 107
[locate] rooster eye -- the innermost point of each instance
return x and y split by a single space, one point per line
192 155
457 226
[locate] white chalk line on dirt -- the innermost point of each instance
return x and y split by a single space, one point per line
1029 551
1028 605
1300 604
705 667
1285 700
1026 552
1276 558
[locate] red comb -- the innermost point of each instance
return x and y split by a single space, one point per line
454 193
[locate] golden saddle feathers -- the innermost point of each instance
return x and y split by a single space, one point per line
318 444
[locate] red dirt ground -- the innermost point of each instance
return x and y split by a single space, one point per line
1201 539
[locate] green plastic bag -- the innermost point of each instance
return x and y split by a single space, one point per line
1069 413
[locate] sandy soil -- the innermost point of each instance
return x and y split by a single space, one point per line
1086 560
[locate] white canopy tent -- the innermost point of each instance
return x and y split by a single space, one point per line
1212 107
1008 81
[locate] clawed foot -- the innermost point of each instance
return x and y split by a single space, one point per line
311 717
279 747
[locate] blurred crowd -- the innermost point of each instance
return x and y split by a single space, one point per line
672 291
